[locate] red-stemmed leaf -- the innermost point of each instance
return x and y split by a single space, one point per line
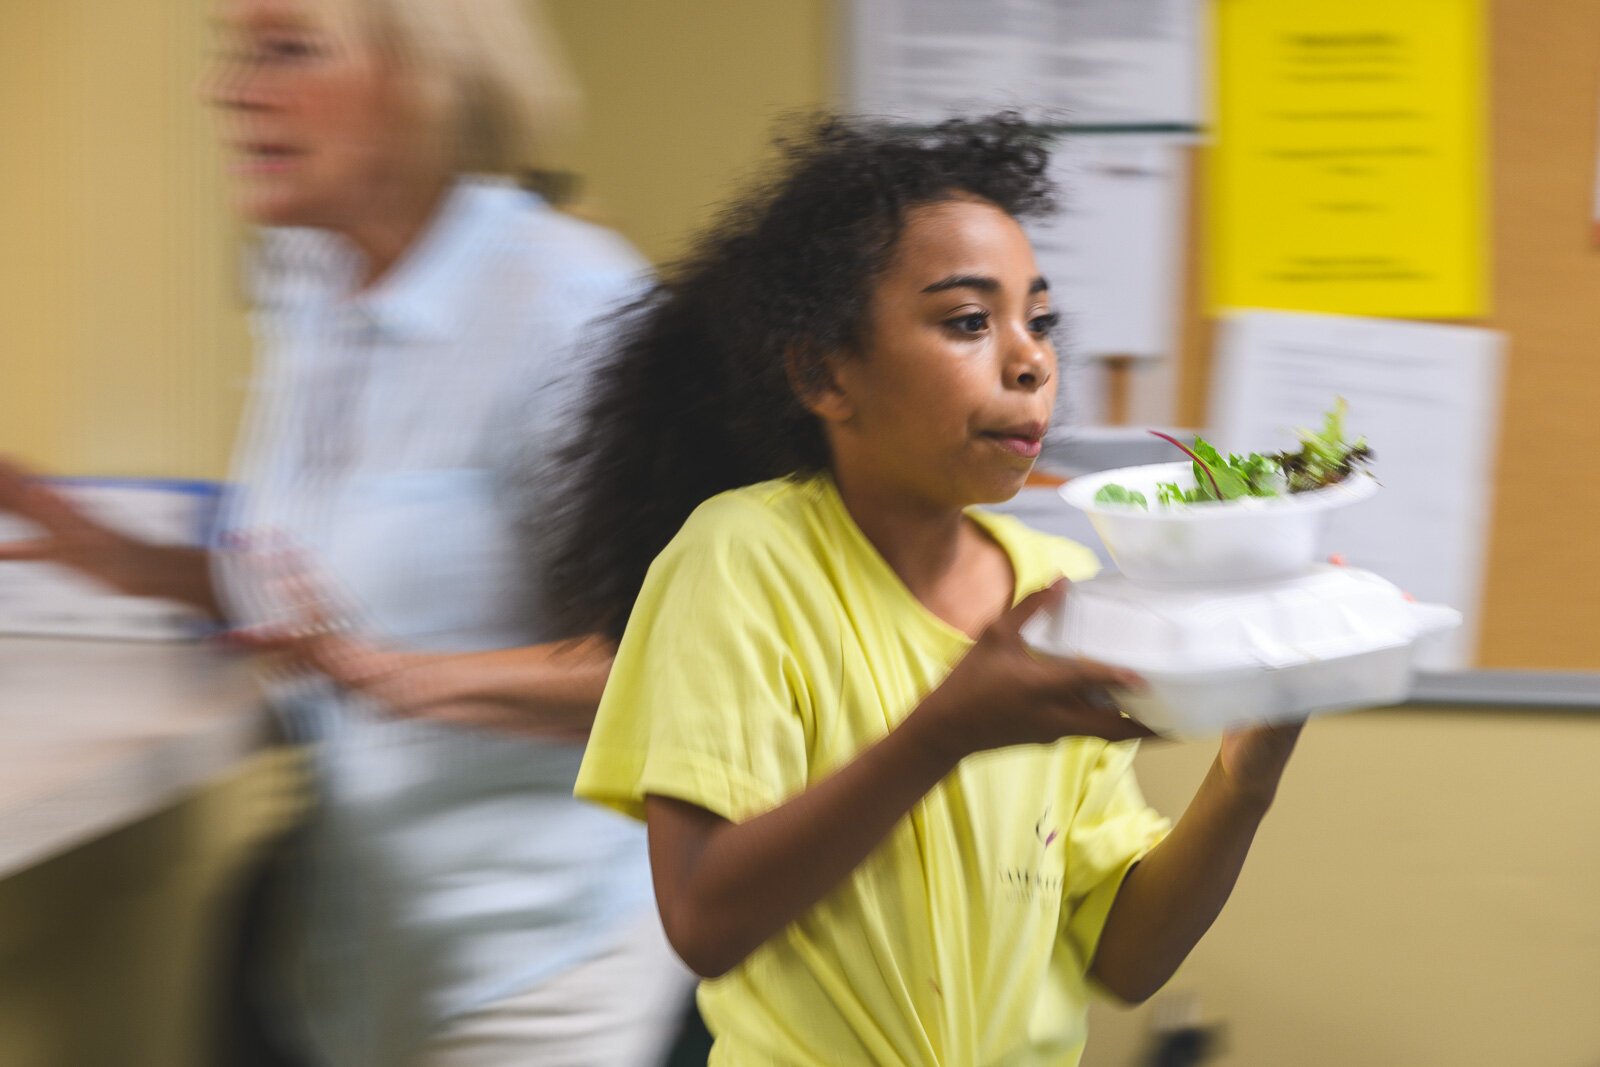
1198 462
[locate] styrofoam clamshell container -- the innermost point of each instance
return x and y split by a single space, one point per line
1192 544
1329 639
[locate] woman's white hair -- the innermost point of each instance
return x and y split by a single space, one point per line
487 75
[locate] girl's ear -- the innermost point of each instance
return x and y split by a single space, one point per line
817 384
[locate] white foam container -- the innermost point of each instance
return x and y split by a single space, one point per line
1204 544
1328 639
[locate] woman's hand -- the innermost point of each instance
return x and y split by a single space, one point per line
454 688
310 631
547 691
1003 693
68 536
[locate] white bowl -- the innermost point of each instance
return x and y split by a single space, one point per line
1230 541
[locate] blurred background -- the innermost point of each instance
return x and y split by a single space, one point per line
1426 890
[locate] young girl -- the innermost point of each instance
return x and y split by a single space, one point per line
882 829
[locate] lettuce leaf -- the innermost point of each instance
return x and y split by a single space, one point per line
1117 494
1324 458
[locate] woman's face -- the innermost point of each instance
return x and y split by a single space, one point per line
947 405
312 118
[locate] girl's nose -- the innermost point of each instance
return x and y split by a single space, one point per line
1032 362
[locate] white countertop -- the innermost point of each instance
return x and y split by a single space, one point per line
98 734
95 735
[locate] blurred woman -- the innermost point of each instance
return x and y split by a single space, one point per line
420 326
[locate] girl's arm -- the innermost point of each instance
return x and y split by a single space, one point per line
724 888
1169 900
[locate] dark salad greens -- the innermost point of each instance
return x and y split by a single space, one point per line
1324 458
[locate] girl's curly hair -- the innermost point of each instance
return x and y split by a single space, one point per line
698 395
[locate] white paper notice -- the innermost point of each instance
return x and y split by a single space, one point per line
1112 254
1125 61
1427 400
1089 62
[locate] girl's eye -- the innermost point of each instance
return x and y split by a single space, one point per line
1044 324
969 324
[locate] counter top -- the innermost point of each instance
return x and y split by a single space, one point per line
95 735
98 734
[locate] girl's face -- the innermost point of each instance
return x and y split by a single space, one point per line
315 122
948 402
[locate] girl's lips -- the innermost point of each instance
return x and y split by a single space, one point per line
1017 444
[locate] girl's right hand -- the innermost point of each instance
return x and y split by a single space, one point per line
1004 693
68 536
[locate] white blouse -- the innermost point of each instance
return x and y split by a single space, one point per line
399 438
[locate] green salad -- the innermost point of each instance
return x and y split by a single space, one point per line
1324 458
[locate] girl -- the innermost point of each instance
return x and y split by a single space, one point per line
882 830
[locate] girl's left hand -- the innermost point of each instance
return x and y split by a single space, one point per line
1253 759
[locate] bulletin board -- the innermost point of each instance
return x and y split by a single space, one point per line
1542 594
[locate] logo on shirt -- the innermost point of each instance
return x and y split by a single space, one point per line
1032 883
1044 829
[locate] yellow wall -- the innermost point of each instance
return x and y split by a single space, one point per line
681 95
1424 893
124 350
122 343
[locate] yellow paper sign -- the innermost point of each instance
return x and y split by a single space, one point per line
1348 173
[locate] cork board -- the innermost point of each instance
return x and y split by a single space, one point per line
1541 606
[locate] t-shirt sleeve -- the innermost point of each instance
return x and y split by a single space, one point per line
1041 557
1112 830
706 702
1073 561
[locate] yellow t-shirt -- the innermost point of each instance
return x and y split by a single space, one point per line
771 644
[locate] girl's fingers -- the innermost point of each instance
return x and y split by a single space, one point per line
1123 729
1088 673
1098 703
1112 723
1051 597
